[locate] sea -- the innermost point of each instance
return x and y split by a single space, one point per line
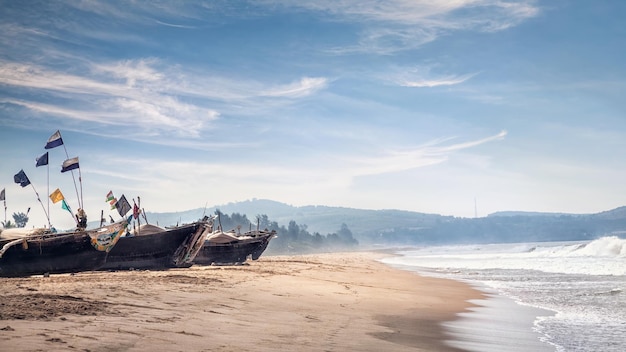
546 296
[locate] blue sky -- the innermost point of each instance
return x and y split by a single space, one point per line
428 106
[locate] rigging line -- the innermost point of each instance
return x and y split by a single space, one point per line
80 205
42 206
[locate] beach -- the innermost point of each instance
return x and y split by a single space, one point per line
317 302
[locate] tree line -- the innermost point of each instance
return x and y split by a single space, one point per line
291 239
20 219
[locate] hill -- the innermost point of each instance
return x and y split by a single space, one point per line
405 227
322 219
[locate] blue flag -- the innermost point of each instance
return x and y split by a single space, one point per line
21 178
42 160
54 141
70 164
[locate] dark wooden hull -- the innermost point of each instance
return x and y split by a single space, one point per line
153 251
53 254
233 252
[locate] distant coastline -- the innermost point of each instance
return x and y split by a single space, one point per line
399 227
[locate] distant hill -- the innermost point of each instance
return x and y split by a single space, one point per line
322 219
617 213
406 227
528 213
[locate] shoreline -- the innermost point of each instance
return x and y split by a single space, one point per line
330 302
494 322
485 328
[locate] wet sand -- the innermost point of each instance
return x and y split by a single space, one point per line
321 302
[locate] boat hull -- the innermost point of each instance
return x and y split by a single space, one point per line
155 251
233 252
53 254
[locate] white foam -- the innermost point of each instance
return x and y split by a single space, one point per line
584 282
604 256
498 324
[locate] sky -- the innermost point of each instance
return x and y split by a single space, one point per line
460 108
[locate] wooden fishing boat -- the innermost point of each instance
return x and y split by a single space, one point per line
38 251
233 248
154 247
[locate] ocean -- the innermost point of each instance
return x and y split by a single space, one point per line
547 296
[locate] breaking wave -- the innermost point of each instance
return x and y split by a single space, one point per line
611 246
603 256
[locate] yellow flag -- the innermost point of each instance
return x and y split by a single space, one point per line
57 196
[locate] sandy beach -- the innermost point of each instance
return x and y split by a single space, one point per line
321 302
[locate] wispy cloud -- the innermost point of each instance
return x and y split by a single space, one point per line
175 25
431 13
306 86
423 77
429 154
387 40
435 82
143 92
384 27
328 173
397 25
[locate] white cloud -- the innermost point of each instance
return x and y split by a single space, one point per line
429 13
132 71
319 173
423 77
306 86
397 25
429 154
144 92
435 82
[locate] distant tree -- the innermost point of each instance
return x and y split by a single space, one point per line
345 235
8 224
318 240
263 222
20 219
293 230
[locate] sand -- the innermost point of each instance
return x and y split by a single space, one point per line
321 302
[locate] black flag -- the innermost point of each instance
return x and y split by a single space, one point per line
42 160
122 206
21 178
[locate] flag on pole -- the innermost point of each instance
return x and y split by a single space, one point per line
42 160
65 206
70 164
136 211
54 141
122 206
111 199
21 178
2 194
56 196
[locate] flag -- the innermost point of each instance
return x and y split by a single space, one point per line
56 196
21 178
122 206
65 206
42 160
54 141
70 164
111 199
2 194
136 211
